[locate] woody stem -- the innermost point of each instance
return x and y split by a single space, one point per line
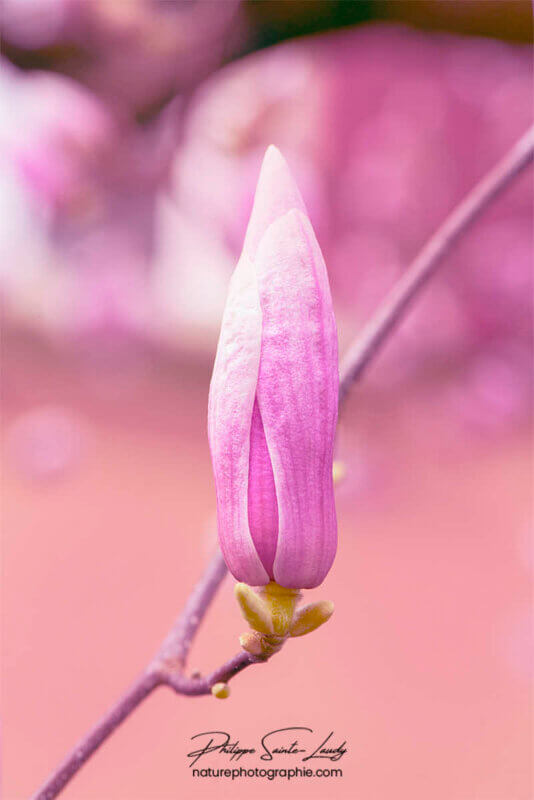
167 668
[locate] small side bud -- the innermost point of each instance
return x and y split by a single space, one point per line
252 642
339 471
256 612
220 690
311 617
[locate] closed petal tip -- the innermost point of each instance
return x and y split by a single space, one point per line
276 194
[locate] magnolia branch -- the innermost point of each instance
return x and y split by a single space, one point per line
168 666
397 303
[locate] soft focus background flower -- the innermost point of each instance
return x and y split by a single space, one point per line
131 135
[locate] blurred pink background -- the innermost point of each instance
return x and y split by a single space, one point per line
129 161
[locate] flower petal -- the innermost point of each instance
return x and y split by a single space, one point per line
297 395
262 502
231 401
276 194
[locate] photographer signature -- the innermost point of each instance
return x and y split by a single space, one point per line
293 741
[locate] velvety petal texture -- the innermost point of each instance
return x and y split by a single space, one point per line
274 396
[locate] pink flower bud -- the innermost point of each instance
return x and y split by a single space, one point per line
274 396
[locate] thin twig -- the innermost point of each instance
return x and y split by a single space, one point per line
122 709
397 302
168 666
198 686
173 653
170 660
165 669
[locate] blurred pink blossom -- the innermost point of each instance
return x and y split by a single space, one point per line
385 130
45 443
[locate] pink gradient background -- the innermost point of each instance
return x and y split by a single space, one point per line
423 668
125 188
